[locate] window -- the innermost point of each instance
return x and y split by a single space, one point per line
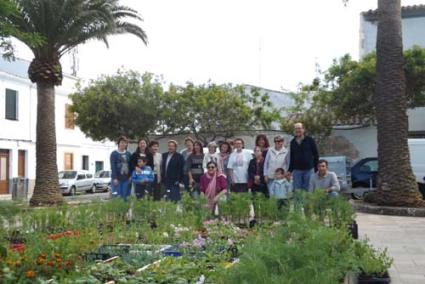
69 117
11 104
99 166
69 161
371 166
89 175
85 165
21 163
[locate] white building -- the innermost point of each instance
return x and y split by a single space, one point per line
18 107
413 28
360 141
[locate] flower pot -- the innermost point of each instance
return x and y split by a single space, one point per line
366 279
353 229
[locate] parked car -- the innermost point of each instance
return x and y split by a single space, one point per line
71 182
102 180
365 172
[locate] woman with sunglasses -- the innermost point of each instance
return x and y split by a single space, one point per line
213 185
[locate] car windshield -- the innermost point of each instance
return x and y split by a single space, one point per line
103 174
67 175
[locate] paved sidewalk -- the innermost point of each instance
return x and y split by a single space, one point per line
405 239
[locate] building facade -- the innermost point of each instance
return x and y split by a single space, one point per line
18 114
413 24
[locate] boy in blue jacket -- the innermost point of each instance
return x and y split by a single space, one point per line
142 178
280 188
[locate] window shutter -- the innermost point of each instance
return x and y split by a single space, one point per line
69 117
11 105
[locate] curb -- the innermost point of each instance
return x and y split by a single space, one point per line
364 207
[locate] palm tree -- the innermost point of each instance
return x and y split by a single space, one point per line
63 24
396 185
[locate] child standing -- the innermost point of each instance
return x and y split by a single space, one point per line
142 178
280 188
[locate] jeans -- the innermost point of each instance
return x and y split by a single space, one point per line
141 189
301 179
172 192
122 189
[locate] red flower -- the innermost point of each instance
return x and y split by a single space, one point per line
20 248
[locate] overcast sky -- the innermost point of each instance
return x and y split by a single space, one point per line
269 43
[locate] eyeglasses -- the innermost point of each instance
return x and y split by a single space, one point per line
211 167
278 141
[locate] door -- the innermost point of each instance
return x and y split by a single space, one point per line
80 183
68 161
4 171
21 163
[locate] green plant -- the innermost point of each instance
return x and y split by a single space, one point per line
372 262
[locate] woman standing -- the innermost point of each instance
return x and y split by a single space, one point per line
223 161
141 151
277 157
157 160
212 155
256 173
262 142
213 185
194 167
120 170
238 166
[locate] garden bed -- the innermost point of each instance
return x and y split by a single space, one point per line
155 242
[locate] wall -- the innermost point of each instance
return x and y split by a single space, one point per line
21 134
413 34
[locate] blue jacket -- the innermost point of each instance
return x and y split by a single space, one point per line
145 176
280 189
120 165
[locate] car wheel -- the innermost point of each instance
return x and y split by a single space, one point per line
107 188
93 189
73 191
358 195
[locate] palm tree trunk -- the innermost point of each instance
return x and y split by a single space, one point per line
46 190
396 184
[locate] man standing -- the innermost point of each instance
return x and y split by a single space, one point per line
324 180
172 171
303 156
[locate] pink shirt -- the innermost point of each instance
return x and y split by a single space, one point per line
221 183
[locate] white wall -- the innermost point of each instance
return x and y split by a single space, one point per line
413 34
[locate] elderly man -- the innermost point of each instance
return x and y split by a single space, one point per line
324 180
303 158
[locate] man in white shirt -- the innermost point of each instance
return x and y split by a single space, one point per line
238 167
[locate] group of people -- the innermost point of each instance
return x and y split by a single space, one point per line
227 167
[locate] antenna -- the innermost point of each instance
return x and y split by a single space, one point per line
75 62
260 59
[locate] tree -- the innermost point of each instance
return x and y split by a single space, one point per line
210 110
7 10
123 104
139 106
396 184
63 24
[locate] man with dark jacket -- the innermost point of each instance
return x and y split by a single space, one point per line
303 158
172 171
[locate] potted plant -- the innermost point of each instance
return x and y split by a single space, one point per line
373 264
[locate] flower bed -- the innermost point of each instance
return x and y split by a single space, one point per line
118 241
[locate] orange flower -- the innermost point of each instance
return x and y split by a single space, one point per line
41 260
51 263
30 274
